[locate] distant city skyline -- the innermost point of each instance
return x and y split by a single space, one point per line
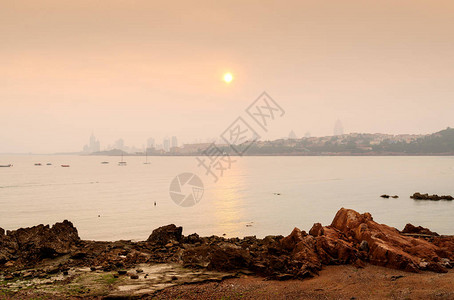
156 69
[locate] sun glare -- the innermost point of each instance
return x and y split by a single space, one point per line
228 77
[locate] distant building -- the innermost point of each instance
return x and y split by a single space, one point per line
338 128
166 144
93 145
307 134
292 135
150 143
174 142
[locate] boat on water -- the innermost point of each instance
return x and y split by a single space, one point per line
65 166
6 166
48 164
104 162
122 162
38 164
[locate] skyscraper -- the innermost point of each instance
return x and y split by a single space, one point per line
150 143
166 144
174 142
338 128
93 145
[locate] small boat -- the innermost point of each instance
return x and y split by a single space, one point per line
104 162
122 163
38 164
65 166
6 166
48 164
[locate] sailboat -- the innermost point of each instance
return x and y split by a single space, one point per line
146 158
122 163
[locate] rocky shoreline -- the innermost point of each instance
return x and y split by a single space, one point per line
43 252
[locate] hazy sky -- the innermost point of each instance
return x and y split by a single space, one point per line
139 69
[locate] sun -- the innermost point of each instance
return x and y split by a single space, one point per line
228 77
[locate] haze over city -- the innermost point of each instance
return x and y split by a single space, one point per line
140 69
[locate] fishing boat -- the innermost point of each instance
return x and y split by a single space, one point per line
122 163
6 166
104 162
49 164
38 164
65 166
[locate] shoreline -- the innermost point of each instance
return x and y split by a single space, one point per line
43 256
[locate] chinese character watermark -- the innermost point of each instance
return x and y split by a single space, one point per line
240 136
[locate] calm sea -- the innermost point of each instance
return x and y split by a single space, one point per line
110 202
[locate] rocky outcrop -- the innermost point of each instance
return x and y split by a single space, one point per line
419 196
352 238
166 234
38 242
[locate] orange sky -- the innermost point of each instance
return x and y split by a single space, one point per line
139 69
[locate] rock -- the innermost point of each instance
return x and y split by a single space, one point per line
38 242
139 271
193 238
92 269
364 246
134 276
409 228
419 196
52 270
165 234
387 246
122 272
395 277
290 242
316 230
27 275
222 257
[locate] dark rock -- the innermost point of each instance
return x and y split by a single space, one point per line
122 272
364 246
134 276
395 277
41 241
409 228
165 234
419 196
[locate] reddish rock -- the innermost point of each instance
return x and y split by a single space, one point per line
289 242
316 230
387 246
